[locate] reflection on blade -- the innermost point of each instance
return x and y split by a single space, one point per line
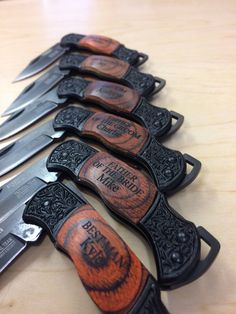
25 147
14 233
36 89
38 169
41 62
30 114
10 247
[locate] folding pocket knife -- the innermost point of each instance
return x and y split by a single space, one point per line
113 97
168 167
103 67
133 198
93 43
106 68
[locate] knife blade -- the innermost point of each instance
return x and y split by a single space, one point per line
96 250
94 43
15 153
167 167
112 97
29 115
15 234
36 89
41 62
132 197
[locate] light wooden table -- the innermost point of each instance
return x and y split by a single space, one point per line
192 45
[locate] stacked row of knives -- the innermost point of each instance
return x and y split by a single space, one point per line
43 198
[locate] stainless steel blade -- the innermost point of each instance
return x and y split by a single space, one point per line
25 147
10 247
42 61
36 89
11 210
14 233
30 114
38 169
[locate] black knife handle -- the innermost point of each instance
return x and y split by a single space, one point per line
113 69
160 122
112 274
132 197
146 84
121 100
168 167
176 244
104 45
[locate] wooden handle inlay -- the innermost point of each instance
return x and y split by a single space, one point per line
110 271
99 44
111 95
116 132
105 66
126 191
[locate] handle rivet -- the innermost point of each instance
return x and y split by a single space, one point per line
168 172
46 203
157 123
182 237
176 257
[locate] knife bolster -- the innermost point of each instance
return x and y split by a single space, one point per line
51 206
156 120
175 242
71 61
167 166
142 82
72 118
71 40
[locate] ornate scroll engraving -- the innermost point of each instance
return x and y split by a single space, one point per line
71 155
71 39
125 54
149 301
140 81
71 116
72 87
51 205
165 164
175 240
157 120
71 61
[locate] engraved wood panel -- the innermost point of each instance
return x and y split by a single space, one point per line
107 66
116 132
112 274
99 44
126 191
112 95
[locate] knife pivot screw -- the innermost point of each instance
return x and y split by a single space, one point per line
176 257
46 203
182 237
